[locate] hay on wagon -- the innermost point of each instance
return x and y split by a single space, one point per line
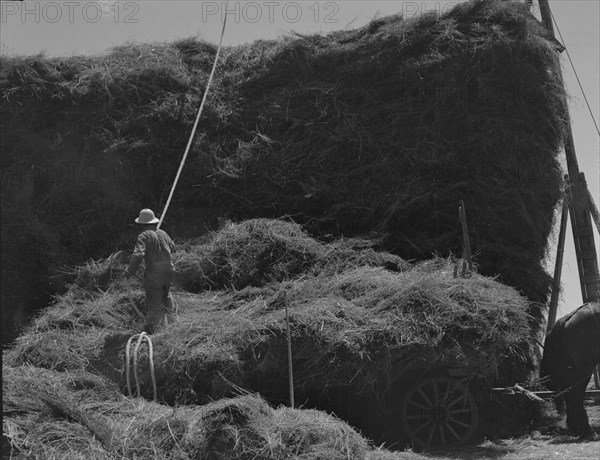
354 325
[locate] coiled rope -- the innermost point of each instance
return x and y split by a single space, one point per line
140 338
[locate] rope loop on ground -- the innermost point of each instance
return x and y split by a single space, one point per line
140 338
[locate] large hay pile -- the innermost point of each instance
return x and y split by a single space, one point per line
359 330
380 129
77 415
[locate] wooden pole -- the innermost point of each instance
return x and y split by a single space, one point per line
289 350
596 218
593 210
466 255
579 210
583 236
547 17
560 250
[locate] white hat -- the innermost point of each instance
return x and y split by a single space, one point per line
146 217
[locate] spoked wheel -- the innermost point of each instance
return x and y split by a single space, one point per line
439 412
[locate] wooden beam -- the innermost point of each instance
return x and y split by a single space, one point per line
547 17
585 247
593 210
583 236
560 251
466 252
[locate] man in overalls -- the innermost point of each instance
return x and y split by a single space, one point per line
154 246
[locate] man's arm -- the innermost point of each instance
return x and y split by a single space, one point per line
138 255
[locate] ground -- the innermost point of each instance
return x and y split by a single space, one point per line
549 441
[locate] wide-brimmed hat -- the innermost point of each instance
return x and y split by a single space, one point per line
146 217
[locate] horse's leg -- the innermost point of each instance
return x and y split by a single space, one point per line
559 403
577 419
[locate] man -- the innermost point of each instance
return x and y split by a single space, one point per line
154 246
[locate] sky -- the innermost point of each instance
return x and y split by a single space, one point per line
64 28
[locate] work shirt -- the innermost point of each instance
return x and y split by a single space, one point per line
154 247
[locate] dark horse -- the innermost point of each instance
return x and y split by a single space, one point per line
571 352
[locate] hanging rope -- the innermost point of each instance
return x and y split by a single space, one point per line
189 144
575 72
144 336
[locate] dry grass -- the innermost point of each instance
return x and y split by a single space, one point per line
377 130
358 330
77 415
257 252
54 415
352 324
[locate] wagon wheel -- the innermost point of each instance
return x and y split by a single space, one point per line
439 412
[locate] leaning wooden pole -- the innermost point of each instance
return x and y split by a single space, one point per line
579 210
593 210
560 251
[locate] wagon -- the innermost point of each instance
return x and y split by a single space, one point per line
442 409
446 410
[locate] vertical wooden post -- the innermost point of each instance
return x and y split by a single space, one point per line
289 350
560 250
466 251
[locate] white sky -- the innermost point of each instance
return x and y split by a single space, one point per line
62 28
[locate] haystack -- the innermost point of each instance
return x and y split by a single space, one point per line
381 130
360 332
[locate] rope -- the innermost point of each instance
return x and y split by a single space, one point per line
140 338
189 144
575 71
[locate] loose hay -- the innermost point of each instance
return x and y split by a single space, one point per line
260 251
380 129
356 327
47 414
363 327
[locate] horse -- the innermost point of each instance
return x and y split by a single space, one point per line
571 351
